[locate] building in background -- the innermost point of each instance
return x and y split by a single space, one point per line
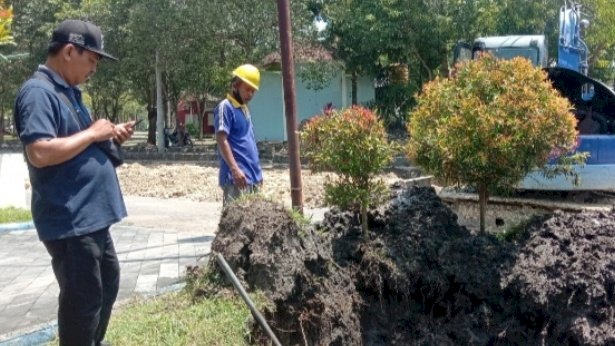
191 112
319 81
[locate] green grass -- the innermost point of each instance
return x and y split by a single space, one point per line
299 218
175 320
12 214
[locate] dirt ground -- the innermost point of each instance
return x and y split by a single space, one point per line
200 183
418 278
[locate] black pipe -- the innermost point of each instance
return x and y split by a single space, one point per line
242 292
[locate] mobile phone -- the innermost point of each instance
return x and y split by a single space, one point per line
137 122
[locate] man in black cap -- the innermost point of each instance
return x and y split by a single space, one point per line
76 196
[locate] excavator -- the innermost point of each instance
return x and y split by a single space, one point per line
593 101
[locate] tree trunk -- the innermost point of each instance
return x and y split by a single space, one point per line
151 127
179 128
483 195
200 117
1 125
353 82
116 111
364 227
201 124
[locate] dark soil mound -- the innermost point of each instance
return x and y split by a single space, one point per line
564 279
423 277
420 278
315 302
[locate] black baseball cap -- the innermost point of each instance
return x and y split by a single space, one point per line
82 34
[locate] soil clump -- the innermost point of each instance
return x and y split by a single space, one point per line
418 278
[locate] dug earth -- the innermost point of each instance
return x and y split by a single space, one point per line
418 278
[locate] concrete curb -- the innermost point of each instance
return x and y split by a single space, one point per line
39 337
16 226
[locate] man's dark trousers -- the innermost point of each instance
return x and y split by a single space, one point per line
88 272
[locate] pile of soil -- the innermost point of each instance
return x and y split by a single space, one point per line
420 278
315 300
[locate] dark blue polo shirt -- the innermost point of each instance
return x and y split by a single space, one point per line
76 197
233 118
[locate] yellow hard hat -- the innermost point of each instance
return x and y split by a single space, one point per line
249 74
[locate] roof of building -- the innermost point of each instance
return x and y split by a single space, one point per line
302 53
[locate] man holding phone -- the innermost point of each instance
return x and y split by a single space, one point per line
76 195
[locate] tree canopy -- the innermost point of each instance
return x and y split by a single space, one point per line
199 42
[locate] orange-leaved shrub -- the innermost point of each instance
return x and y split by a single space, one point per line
352 143
6 17
489 125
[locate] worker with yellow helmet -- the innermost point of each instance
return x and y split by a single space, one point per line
240 169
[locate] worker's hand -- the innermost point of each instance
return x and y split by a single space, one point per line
239 179
102 130
124 131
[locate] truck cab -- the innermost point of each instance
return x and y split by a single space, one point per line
532 47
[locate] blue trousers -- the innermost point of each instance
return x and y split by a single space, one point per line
88 272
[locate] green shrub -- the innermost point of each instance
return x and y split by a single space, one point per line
352 143
6 18
193 130
490 125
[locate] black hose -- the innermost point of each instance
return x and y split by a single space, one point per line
242 292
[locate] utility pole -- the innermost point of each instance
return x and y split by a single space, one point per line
288 81
159 110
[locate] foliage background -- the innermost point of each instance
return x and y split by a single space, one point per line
199 42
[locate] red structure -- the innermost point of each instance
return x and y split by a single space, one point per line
189 112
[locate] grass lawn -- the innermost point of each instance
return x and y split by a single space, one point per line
11 214
174 319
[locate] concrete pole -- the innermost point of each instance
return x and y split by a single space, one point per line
290 109
159 110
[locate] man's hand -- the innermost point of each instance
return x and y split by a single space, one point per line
102 130
239 178
53 151
124 131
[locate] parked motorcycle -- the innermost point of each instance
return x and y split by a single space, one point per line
171 139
